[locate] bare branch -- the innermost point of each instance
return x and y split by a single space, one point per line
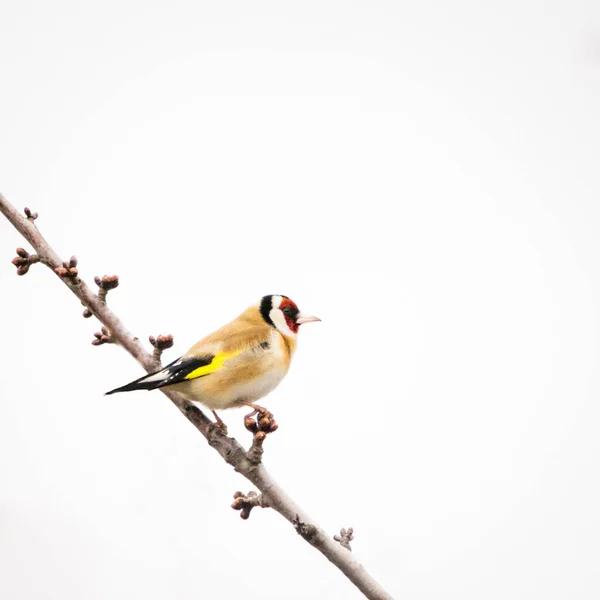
229 448
304 529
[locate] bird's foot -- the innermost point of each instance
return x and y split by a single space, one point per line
220 424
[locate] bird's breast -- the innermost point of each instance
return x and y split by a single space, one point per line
269 366
247 377
257 388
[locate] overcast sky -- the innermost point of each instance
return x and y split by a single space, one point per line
423 176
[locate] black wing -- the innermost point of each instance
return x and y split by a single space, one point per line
174 372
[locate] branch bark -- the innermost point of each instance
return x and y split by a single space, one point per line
229 448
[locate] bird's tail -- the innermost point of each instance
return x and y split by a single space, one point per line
152 381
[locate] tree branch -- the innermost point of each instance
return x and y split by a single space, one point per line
247 464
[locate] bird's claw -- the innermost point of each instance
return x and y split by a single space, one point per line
222 428
219 425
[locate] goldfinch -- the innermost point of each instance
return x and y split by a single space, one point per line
237 364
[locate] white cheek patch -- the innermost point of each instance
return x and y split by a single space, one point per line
276 301
280 322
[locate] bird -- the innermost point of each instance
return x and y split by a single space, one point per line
239 363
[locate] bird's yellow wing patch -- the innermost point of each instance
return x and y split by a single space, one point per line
215 364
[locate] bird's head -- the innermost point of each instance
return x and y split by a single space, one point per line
283 314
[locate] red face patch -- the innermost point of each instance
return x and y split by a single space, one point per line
290 312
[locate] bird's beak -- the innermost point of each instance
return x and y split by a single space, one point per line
302 318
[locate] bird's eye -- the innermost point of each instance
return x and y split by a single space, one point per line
287 311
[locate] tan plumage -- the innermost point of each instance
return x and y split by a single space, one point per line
247 376
239 363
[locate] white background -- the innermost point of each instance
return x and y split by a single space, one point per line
423 176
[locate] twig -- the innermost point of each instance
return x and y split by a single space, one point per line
246 502
261 425
106 283
24 260
30 216
345 537
160 343
229 449
103 337
68 270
